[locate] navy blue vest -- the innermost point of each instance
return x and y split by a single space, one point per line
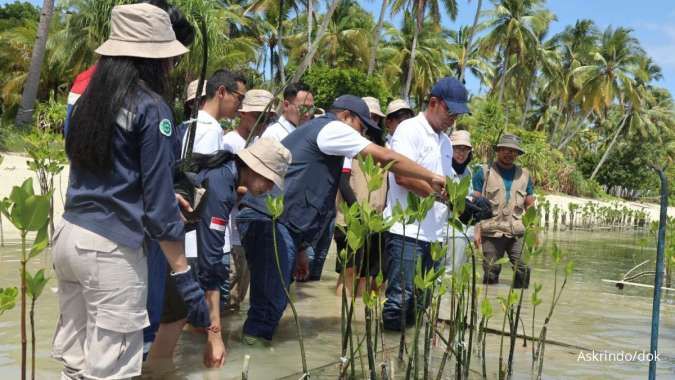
311 182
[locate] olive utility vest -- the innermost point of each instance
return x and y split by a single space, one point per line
507 218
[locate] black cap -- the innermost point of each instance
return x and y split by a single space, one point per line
358 106
453 92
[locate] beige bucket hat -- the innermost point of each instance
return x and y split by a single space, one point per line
397 105
268 158
257 101
510 141
461 138
141 30
373 106
192 90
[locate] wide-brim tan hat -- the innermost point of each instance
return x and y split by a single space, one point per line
257 101
373 106
143 31
462 138
268 158
397 105
510 141
192 90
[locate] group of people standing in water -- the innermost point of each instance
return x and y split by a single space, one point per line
136 258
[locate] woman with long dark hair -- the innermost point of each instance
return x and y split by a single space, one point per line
121 146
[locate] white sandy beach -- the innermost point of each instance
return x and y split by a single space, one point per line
14 170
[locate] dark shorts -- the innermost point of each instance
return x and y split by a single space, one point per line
174 308
372 264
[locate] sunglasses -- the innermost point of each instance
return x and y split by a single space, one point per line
306 110
239 95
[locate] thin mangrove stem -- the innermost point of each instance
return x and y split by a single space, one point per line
288 296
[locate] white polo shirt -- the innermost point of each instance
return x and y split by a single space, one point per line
208 134
233 142
279 130
415 139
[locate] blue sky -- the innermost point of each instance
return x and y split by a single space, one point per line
653 22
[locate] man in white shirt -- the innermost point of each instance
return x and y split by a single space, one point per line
254 104
224 94
297 108
422 139
318 151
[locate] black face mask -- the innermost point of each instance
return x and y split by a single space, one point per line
459 168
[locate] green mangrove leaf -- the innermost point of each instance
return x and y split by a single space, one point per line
486 308
7 299
36 284
41 242
569 268
438 251
36 212
379 279
275 206
503 260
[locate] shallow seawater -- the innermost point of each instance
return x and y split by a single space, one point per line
591 314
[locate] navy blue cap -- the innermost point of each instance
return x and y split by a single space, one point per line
357 106
454 93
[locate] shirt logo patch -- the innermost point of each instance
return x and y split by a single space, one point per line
218 224
165 127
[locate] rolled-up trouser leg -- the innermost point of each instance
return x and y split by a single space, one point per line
267 298
102 300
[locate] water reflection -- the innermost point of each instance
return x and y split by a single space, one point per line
590 314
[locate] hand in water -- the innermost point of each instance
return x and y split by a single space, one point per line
215 351
301 266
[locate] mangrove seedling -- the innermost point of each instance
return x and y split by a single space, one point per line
275 207
36 285
48 158
28 212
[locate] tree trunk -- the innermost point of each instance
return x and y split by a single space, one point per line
30 88
505 67
469 41
376 38
315 45
405 94
566 140
310 20
280 45
609 148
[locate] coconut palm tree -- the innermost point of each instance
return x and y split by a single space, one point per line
30 88
430 64
514 29
419 8
376 37
463 54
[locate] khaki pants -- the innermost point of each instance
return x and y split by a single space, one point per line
102 294
240 277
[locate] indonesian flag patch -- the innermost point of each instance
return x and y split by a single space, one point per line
218 224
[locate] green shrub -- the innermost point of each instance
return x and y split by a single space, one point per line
329 83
